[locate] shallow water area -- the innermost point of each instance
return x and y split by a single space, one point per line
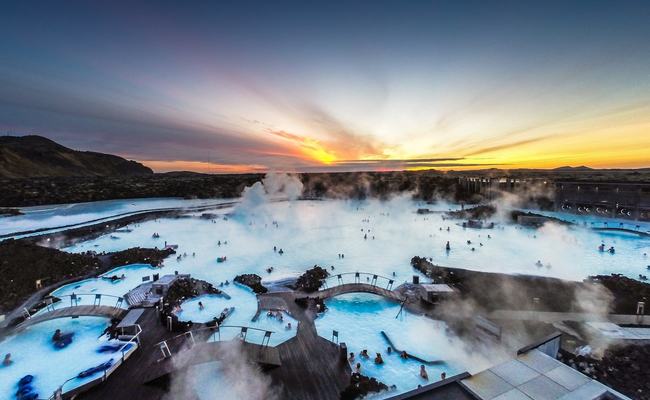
374 237
245 308
360 319
33 352
47 217
370 236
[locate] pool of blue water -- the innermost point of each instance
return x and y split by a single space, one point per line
245 308
47 217
360 320
375 237
33 353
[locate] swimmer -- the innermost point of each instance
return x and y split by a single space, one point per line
378 359
443 376
288 327
358 368
601 248
389 350
364 354
404 355
447 246
423 372
201 306
57 335
7 360
539 264
351 358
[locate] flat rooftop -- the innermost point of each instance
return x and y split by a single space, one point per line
530 376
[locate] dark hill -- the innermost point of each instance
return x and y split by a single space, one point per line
36 156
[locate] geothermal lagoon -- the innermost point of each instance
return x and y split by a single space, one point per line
292 236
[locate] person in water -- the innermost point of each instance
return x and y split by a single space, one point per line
7 360
378 359
358 368
364 354
447 247
601 248
351 358
404 355
389 350
423 372
57 335
443 376
201 306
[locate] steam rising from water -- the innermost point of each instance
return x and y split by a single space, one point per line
232 377
274 186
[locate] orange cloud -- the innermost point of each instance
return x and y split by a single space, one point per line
203 167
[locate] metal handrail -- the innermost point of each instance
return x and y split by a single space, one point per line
164 344
58 393
76 297
357 278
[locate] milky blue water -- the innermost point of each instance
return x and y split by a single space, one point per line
360 318
316 232
245 303
33 353
42 217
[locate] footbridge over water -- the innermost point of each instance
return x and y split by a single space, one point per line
74 306
359 282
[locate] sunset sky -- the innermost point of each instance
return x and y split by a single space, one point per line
330 86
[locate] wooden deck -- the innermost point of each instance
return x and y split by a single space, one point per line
73 312
127 381
310 367
200 353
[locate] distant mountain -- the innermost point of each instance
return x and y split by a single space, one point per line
566 168
35 156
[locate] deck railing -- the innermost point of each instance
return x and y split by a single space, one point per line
369 278
125 352
210 334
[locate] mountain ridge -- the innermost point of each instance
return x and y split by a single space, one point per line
35 156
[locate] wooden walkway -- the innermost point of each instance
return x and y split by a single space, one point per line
200 353
305 367
74 311
126 382
358 288
312 367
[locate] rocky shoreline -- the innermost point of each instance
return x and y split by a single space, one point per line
253 281
182 290
623 368
23 264
361 386
529 292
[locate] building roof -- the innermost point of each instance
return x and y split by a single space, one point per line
437 287
537 376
